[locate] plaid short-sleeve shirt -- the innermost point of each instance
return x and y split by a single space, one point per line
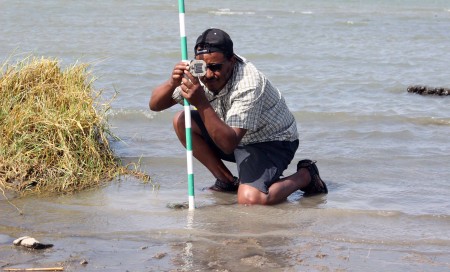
251 102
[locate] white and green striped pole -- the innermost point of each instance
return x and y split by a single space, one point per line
187 111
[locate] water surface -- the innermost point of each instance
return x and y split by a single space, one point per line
343 67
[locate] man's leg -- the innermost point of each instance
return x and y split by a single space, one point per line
260 166
201 149
278 192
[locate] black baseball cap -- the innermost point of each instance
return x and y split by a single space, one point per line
214 40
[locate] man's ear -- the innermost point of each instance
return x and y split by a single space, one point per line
233 59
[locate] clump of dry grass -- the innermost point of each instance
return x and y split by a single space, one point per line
53 131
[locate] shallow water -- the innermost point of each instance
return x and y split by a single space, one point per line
344 68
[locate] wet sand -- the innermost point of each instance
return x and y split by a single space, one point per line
127 226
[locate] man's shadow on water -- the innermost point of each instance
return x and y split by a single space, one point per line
213 198
317 201
313 201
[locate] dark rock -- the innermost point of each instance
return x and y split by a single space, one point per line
424 90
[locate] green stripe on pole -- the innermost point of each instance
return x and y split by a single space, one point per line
188 138
184 53
181 6
187 111
191 184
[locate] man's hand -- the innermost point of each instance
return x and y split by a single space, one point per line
192 90
161 97
178 73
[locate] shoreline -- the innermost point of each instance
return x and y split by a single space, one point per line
114 229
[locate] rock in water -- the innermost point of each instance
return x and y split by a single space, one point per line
30 242
424 90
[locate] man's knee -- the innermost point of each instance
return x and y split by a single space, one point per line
179 124
249 195
178 121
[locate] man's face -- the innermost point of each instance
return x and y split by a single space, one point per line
219 69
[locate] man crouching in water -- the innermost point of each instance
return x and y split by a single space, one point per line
240 117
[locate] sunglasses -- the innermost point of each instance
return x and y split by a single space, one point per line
214 67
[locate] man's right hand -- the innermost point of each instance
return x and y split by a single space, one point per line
178 73
161 97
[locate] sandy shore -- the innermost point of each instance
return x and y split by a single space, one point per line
126 226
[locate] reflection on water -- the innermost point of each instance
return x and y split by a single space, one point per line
127 225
